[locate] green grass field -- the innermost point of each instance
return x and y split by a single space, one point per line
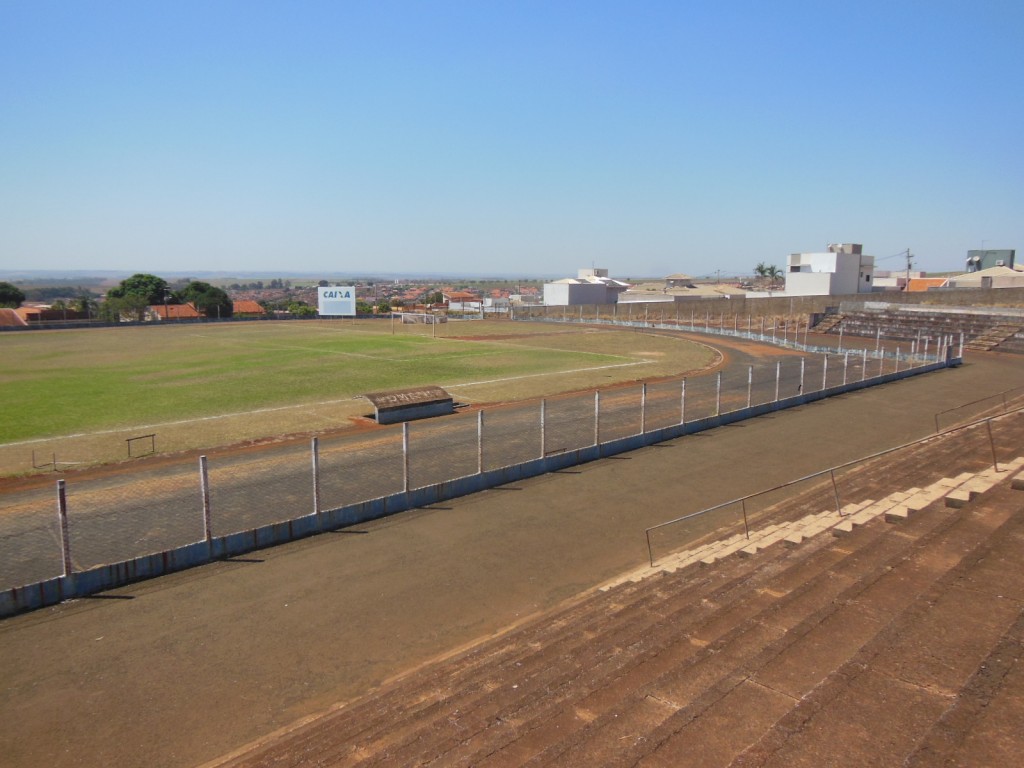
58 383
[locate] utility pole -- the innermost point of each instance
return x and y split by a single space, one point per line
909 262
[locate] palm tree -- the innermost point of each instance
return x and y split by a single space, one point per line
761 272
773 273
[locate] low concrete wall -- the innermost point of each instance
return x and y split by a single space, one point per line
56 590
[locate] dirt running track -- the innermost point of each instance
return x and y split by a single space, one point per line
183 669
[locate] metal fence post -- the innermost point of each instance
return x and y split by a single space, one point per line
824 373
840 337
864 366
778 375
597 417
750 384
405 456
897 359
543 409
315 451
846 365
835 492
682 403
992 445
803 365
479 442
204 488
643 408
718 394
65 537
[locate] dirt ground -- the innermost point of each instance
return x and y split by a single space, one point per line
183 669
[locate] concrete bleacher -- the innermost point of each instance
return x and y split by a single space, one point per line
983 329
888 634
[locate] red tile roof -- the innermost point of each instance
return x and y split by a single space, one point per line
174 311
247 307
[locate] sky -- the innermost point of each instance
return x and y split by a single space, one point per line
506 138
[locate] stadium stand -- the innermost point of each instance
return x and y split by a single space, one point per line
894 640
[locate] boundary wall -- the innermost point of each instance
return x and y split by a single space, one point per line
75 585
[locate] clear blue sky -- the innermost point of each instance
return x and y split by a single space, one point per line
506 137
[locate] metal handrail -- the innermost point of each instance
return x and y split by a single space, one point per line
1002 394
742 500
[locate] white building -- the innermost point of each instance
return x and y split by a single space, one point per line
590 286
840 271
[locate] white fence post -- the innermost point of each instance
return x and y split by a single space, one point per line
643 408
543 409
750 384
65 537
803 362
682 402
846 365
718 394
204 487
479 442
824 373
315 448
597 417
778 375
864 366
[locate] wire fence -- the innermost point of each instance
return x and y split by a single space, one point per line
130 515
981 444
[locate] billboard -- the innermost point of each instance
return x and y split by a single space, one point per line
337 300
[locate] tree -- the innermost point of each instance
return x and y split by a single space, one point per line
85 303
363 307
208 299
384 305
131 307
11 296
301 309
149 287
761 270
59 304
773 273
434 298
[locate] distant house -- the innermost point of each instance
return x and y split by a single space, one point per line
590 286
41 313
841 270
993 277
10 318
463 301
247 308
921 284
679 280
172 312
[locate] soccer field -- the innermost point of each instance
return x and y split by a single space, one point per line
231 382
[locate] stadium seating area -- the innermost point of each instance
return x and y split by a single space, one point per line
983 329
890 634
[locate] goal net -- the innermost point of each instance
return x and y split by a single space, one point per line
424 318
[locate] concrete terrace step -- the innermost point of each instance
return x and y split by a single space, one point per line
895 507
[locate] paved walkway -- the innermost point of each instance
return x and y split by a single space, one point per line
183 669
